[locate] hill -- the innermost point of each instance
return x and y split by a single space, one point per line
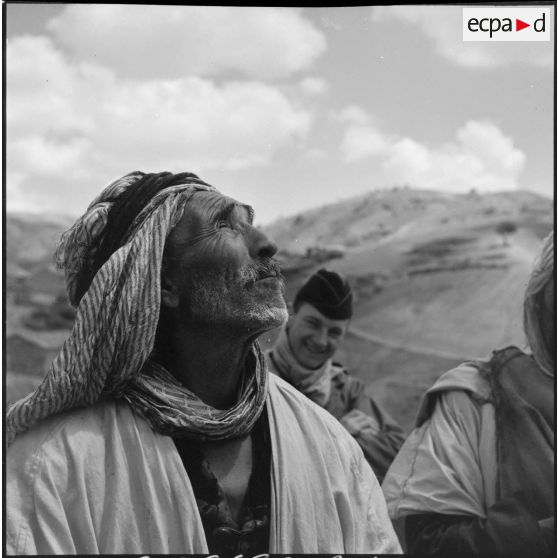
371 218
31 238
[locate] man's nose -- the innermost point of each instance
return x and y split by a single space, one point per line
320 338
260 245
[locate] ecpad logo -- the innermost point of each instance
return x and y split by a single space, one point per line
506 24
494 24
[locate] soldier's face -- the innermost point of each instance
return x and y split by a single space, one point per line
313 337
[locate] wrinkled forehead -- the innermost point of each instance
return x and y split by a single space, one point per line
211 204
204 210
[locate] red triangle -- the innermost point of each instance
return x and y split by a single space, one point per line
519 25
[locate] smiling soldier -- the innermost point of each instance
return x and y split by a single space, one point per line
303 353
157 428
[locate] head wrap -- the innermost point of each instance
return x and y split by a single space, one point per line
533 313
112 259
329 292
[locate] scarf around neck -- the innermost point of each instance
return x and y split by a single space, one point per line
174 410
315 384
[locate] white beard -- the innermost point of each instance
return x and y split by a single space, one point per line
214 300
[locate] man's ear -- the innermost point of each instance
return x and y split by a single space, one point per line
169 292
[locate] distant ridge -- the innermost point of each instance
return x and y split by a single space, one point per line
30 217
368 218
32 237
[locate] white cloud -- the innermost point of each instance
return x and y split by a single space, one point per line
443 25
361 141
315 154
70 128
362 138
152 41
353 114
480 157
313 86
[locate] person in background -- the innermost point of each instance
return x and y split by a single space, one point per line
158 429
477 475
303 356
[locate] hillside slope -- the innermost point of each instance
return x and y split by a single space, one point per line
442 278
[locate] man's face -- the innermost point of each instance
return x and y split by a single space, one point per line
219 266
313 337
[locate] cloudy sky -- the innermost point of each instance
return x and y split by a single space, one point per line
282 108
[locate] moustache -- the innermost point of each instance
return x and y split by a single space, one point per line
256 272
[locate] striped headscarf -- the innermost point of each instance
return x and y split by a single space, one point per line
534 326
112 259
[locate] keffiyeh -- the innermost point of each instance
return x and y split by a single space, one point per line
106 354
543 271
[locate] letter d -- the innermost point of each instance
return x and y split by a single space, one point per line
542 21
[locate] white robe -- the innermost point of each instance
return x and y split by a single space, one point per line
100 480
448 464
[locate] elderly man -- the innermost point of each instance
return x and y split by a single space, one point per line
302 355
477 475
157 428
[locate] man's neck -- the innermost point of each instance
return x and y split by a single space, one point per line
209 362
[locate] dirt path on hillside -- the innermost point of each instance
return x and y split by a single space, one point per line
366 336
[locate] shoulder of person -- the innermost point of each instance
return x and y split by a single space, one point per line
75 436
342 374
311 417
343 379
465 381
466 377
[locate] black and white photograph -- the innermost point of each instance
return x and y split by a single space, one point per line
279 280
